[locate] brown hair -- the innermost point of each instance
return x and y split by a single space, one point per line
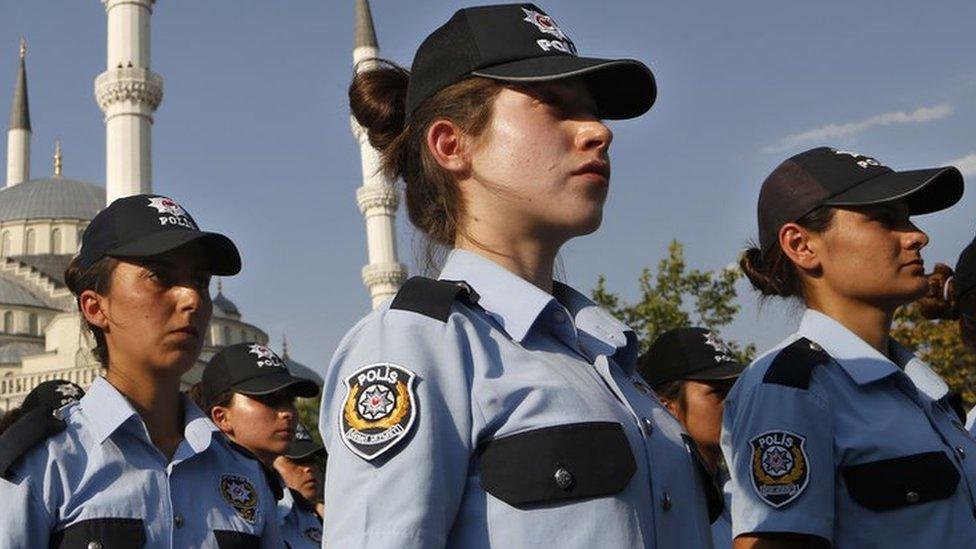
377 98
673 390
195 392
97 278
772 273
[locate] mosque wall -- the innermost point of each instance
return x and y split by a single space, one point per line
41 236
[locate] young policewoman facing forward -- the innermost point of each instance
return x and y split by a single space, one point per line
495 407
837 436
134 463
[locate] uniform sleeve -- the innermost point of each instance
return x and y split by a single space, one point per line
24 521
271 535
393 481
778 442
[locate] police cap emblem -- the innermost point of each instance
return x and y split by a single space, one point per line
241 495
379 409
779 467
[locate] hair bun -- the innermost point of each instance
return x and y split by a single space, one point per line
378 99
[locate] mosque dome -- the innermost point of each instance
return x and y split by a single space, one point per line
224 307
298 369
52 198
12 293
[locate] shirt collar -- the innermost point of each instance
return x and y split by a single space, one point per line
109 410
862 362
516 305
512 301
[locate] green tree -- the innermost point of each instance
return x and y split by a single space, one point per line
938 342
676 297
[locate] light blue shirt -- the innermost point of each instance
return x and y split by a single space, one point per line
885 464
520 361
104 466
300 527
722 527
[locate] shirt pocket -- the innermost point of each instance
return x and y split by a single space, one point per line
557 464
898 482
104 533
230 539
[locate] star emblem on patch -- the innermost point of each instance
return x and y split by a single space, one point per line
265 356
165 205
722 351
69 390
544 23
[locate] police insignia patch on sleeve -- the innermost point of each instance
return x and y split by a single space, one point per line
379 409
780 471
241 495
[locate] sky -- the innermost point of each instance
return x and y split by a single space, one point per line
253 133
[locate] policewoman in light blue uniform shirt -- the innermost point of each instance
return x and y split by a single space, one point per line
840 436
495 407
134 463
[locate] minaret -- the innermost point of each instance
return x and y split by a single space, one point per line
19 131
128 93
377 198
57 158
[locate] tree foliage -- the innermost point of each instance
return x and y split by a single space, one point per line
938 342
675 297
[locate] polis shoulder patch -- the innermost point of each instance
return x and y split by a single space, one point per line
379 410
241 495
780 471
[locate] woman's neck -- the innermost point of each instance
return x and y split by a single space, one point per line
156 399
869 322
529 259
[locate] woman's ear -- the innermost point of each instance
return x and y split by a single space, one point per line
669 406
800 246
94 307
221 418
446 143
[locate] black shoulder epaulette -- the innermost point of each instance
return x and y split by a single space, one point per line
432 298
28 431
794 365
270 475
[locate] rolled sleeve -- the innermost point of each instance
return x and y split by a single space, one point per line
409 495
778 442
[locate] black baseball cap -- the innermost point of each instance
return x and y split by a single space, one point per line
303 445
831 177
965 274
688 353
250 369
52 394
146 225
521 43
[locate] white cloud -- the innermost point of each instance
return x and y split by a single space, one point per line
850 129
966 164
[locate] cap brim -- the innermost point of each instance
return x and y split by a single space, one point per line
721 372
926 191
221 253
623 88
265 385
304 448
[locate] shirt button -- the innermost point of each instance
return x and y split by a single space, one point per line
666 501
94 545
961 451
912 497
178 521
559 316
648 425
564 479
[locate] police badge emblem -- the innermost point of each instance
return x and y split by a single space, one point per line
379 409
241 495
779 467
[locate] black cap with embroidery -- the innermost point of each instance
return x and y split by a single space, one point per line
52 394
146 225
832 177
688 353
520 43
250 369
304 445
965 274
